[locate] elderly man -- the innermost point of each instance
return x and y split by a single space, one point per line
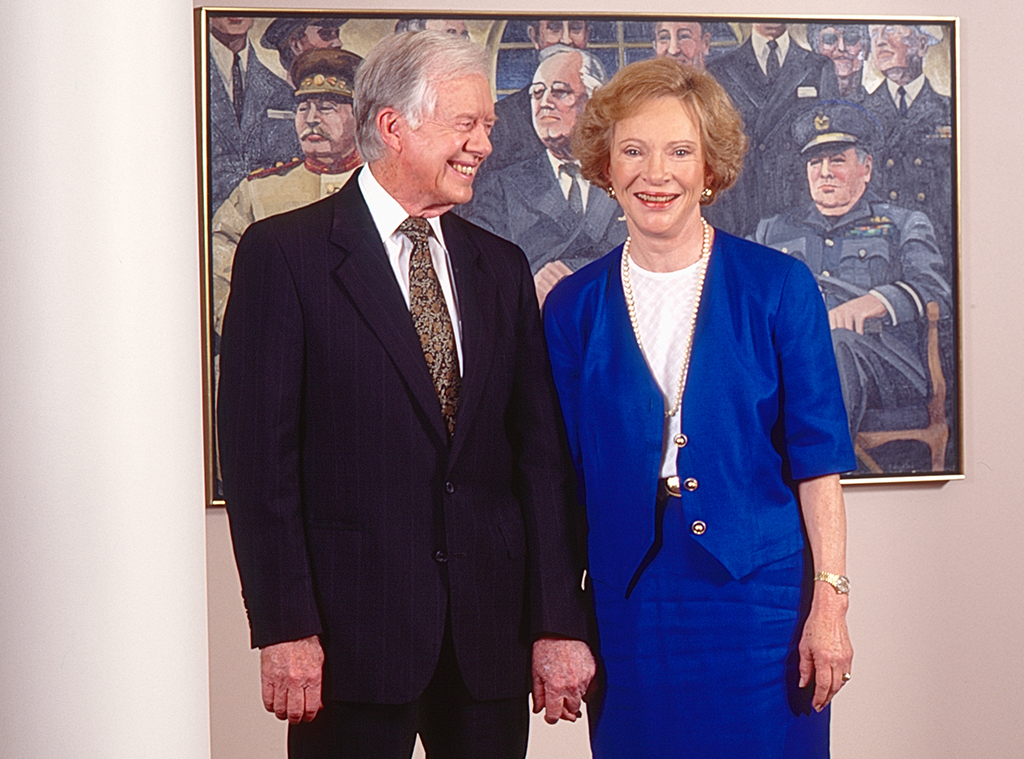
877 264
513 136
685 42
397 485
326 130
453 26
769 78
250 109
847 46
915 160
542 203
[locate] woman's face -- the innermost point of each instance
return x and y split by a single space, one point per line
657 168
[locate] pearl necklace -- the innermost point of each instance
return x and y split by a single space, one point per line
705 252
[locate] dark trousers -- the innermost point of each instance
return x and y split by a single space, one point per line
451 724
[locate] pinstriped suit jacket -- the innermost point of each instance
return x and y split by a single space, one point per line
341 485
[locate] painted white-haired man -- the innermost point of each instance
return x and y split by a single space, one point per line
395 474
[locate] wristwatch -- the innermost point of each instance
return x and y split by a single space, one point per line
840 582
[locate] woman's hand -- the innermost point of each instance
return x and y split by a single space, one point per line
825 650
826 653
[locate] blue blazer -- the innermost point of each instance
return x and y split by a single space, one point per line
762 409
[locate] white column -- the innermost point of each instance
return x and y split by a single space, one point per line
103 641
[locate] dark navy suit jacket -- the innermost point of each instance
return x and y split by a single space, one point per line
762 408
352 516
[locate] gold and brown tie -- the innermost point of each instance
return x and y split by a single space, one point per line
430 317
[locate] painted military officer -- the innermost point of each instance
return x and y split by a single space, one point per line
914 162
326 129
877 264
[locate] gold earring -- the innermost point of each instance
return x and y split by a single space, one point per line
611 192
706 195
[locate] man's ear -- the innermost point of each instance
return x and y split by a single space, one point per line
391 126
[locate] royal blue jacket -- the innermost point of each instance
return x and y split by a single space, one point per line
762 409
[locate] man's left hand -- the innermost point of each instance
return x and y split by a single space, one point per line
562 671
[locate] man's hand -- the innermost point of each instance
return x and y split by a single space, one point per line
292 673
852 314
550 274
562 671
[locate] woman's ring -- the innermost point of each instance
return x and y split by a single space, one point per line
847 677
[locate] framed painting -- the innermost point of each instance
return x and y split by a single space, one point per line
273 137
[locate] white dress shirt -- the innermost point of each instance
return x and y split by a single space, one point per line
912 90
387 215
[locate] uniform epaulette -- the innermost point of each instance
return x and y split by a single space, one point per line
278 168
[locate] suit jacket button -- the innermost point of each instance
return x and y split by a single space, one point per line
698 527
681 440
440 557
449 487
690 484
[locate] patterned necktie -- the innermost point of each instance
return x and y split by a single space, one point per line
575 193
237 90
773 60
903 101
430 317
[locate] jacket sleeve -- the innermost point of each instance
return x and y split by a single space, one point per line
815 428
543 479
261 368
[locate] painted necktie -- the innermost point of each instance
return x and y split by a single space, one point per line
575 192
430 317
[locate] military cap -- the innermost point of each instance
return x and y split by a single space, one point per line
280 29
325 71
832 124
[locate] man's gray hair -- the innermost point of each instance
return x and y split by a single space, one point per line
592 71
404 71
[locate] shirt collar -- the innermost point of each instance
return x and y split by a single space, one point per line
224 59
761 49
913 90
387 213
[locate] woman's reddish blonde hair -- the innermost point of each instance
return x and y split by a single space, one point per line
721 128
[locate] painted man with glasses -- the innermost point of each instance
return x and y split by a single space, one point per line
847 46
542 203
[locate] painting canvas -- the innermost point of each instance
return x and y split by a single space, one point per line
887 265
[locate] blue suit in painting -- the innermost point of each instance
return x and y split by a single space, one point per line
265 135
700 599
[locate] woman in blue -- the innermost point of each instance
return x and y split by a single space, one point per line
706 422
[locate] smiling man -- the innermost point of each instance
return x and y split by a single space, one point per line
877 264
398 489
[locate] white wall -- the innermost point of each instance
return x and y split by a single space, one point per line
937 619
103 646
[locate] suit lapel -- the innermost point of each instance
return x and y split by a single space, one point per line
362 270
748 75
477 297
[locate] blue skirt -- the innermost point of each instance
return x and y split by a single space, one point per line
697 664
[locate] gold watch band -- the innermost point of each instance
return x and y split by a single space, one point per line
840 582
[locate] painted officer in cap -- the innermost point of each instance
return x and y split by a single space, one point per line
326 129
877 264
291 37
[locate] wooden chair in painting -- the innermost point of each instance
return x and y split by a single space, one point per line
935 432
